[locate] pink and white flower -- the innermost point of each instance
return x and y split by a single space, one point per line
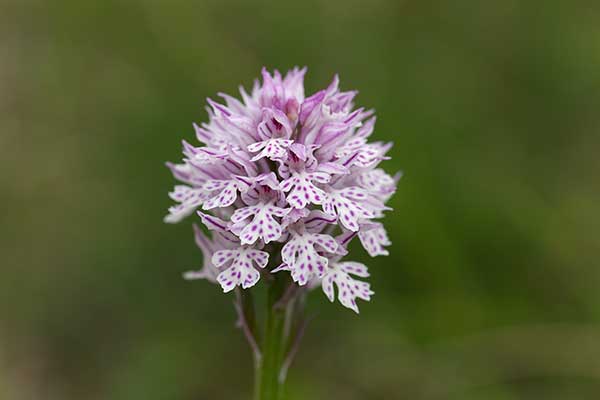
348 288
287 178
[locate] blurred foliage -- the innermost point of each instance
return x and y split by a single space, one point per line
491 289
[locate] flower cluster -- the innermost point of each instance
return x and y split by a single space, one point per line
286 177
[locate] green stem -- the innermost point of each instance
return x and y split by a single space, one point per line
268 368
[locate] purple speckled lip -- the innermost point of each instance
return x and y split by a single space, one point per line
279 167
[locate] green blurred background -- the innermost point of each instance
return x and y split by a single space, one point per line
491 290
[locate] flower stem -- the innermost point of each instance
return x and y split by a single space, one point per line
244 305
268 368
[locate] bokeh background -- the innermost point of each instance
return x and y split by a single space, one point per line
492 288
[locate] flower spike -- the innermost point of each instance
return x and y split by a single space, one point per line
280 177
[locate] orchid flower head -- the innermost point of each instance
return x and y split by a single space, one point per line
282 179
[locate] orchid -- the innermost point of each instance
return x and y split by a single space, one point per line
283 183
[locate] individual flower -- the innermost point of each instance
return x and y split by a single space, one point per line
241 266
348 288
282 183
